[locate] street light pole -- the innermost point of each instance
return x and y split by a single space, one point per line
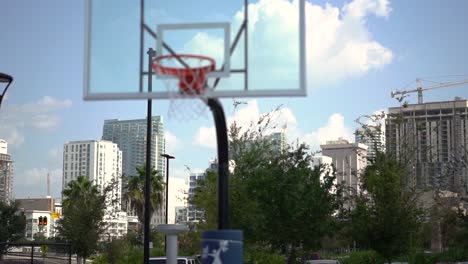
168 157
5 78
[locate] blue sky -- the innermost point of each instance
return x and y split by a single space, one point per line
358 51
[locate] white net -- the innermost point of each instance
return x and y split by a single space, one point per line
186 86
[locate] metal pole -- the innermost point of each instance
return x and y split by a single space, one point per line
146 252
32 254
167 204
223 159
69 254
168 157
167 189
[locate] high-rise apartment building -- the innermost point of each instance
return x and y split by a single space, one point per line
101 162
6 172
432 140
278 140
349 160
373 138
130 136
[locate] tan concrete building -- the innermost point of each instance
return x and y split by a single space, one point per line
349 160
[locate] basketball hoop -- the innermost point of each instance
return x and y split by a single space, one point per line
192 80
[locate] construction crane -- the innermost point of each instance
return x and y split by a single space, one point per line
420 89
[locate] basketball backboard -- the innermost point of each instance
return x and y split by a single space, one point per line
258 46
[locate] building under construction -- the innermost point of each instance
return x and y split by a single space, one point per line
432 140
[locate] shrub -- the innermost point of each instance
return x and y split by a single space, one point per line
259 256
364 257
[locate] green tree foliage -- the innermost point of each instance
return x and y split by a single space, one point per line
386 217
135 192
83 211
276 197
12 224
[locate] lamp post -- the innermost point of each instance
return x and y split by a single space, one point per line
5 78
168 157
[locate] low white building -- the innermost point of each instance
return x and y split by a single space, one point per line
117 226
34 227
132 223
181 214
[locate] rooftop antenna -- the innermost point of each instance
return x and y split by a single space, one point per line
48 184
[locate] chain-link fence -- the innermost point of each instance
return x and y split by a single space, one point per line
37 253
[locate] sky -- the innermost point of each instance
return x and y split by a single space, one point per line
357 53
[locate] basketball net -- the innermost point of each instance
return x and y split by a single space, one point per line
186 86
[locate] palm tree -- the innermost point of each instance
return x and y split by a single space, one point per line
81 188
83 208
135 192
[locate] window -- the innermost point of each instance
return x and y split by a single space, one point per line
73 148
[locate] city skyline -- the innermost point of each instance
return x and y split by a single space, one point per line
390 47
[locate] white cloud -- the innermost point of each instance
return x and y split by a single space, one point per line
338 42
41 115
50 103
173 144
334 129
360 8
205 137
55 156
247 116
33 182
179 172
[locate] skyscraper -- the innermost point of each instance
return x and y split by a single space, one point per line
130 136
375 141
432 140
101 162
6 172
278 140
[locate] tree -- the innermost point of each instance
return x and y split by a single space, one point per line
84 206
135 192
281 203
386 217
12 224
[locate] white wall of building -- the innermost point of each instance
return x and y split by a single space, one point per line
32 223
178 196
324 161
98 160
349 160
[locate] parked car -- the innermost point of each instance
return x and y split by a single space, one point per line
180 260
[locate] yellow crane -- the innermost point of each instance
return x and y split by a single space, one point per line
420 89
